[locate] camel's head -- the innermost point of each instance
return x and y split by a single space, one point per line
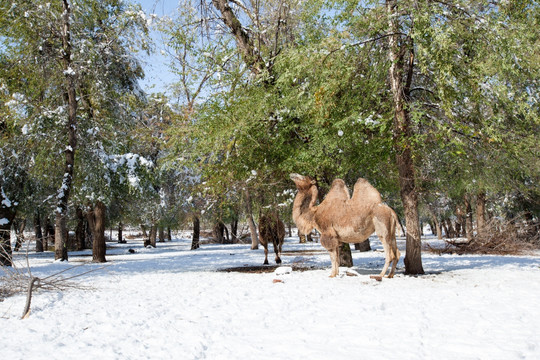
302 182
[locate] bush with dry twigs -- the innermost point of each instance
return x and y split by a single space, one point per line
15 280
499 237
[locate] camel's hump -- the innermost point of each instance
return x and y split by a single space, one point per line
365 192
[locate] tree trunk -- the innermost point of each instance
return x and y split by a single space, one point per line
37 232
96 221
363 246
218 232
60 244
245 44
446 231
481 213
450 227
345 255
20 234
196 232
161 234
460 215
79 230
402 137
153 234
88 236
49 234
437 226
234 230
144 232
227 238
457 228
7 214
251 223
169 235
468 219
120 235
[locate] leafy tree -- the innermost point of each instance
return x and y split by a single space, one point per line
78 60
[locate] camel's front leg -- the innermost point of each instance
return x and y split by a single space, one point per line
334 258
331 244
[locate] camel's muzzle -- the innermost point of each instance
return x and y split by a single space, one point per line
296 177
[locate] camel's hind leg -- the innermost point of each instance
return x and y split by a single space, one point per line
387 259
396 259
386 231
265 254
277 250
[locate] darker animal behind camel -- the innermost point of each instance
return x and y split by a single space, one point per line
271 230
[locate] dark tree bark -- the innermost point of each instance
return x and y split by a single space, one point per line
37 232
169 235
144 232
161 234
457 228
49 234
345 255
304 238
196 232
468 219
481 213
245 44
234 230
20 234
400 89
7 215
120 236
60 245
79 230
152 236
460 219
363 246
251 223
96 222
219 232
437 225
450 227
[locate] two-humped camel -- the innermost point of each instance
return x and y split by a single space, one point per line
344 219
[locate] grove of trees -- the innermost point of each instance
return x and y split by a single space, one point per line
434 102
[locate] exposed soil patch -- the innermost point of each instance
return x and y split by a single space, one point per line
267 269
302 252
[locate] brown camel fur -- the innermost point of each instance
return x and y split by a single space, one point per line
344 219
271 229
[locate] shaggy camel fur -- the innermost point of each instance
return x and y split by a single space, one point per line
271 229
342 219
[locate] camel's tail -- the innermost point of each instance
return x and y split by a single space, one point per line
400 228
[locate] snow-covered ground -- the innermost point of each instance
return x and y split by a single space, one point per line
172 303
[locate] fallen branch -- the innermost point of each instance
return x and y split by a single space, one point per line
26 311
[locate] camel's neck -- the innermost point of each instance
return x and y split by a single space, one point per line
304 209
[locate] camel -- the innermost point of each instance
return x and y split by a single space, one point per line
344 219
271 229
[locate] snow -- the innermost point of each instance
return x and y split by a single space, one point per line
172 303
5 202
69 71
